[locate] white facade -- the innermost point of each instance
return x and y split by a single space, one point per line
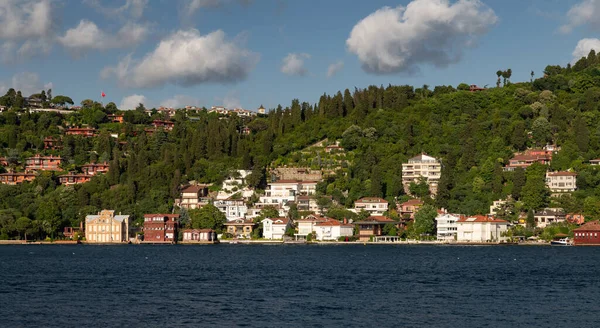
333 230
560 182
446 226
236 181
496 205
275 228
375 206
422 166
480 229
281 192
106 227
233 209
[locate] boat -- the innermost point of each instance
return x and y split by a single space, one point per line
562 242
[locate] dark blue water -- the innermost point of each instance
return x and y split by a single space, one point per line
299 286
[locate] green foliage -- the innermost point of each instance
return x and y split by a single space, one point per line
207 217
424 221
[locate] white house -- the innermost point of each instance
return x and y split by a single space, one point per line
480 228
561 182
374 205
236 181
281 192
275 228
446 226
332 229
233 209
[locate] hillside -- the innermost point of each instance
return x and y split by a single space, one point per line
473 133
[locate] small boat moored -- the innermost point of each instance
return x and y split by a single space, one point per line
562 242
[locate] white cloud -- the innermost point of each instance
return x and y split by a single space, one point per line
399 39
334 68
293 64
180 101
131 102
28 83
26 26
87 36
583 48
133 8
186 58
585 12
190 7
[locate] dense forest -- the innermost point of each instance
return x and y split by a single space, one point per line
474 134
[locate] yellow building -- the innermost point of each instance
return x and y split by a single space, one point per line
106 227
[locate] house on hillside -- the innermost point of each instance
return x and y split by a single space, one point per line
52 143
73 178
193 196
480 228
530 156
166 125
84 132
549 216
232 208
95 168
15 178
422 166
374 205
595 162
116 118
275 228
43 163
409 208
561 182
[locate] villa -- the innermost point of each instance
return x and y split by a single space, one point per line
106 227
275 228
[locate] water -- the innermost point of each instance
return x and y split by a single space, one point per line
298 286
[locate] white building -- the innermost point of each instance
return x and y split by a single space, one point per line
446 226
275 228
374 205
496 205
236 181
332 229
480 228
283 191
422 166
561 182
193 197
233 209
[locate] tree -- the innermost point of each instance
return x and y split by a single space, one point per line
541 131
499 74
530 219
425 220
463 87
535 193
23 225
62 100
420 189
389 229
207 217
532 74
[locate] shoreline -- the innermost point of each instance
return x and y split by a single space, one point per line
279 242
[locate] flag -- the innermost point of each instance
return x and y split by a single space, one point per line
103 94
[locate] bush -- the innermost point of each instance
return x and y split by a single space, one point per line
349 238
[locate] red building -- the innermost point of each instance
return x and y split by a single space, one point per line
410 207
52 143
3 161
588 234
85 132
16 178
161 228
167 125
95 168
74 178
44 163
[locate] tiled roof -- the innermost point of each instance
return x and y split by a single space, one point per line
412 202
286 181
283 221
161 215
561 173
332 223
590 226
371 200
480 219
193 188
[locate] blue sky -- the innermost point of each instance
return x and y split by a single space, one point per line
233 52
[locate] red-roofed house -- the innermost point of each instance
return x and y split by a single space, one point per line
95 168
44 163
332 229
561 182
372 227
409 208
116 118
274 228
52 143
588 234
530 156
192 197
374 205
480 228
74 178
16 178
85 132
166 125
161 228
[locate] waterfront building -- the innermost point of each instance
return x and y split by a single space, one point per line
332 229
374 205
446 225
422 166
199 236
561 182
587 234
548 216
372 227
161 228
274 228
240 227
106 227
480 228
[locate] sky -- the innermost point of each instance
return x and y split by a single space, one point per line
244 53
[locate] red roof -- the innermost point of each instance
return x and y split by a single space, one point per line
590 226
161 215
562 174
283 221
329 222
412 202
193 188
286 181
480 219
197 230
